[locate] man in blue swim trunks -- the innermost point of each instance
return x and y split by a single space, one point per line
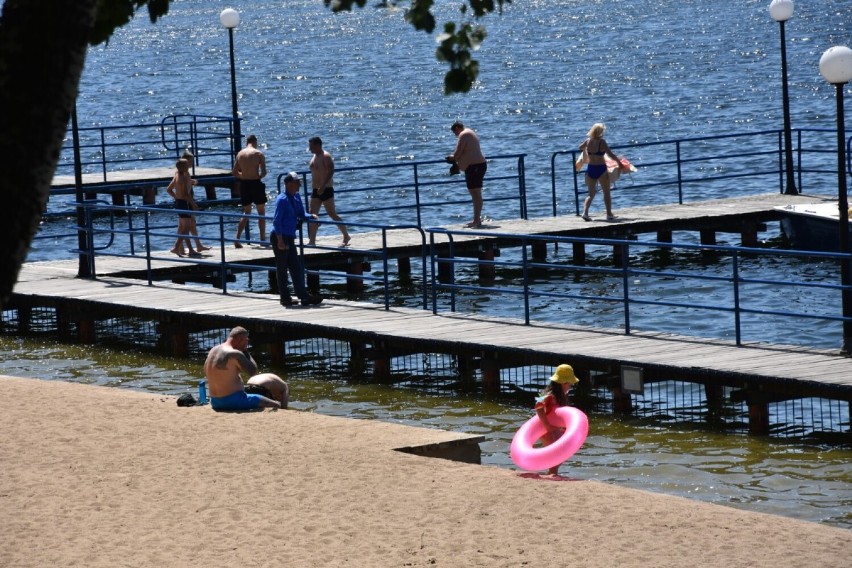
223 369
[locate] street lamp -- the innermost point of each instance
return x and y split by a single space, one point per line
835 66
781 11
230 18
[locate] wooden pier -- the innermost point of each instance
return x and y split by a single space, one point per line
760 374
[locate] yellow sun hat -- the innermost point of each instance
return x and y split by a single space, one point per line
564 374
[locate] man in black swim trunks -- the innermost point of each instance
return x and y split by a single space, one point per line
322 181
250 169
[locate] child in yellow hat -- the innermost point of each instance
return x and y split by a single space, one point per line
554 396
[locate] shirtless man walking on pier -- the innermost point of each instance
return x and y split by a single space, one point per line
250 168
223 369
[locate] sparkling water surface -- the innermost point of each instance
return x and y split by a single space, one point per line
368 84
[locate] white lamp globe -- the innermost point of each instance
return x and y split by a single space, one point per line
230 18
781 10
835 65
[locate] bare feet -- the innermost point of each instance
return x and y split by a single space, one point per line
346 240
201 248
177 252
238 245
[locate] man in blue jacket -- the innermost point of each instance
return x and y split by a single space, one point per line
289 213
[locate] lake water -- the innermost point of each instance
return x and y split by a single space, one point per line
369 86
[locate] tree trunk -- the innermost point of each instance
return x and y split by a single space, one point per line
43 47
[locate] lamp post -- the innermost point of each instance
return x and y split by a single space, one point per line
230 18
835 66
84 268
781 11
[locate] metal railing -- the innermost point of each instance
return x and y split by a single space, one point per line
420 186
105 149
675 170
619 288
139 232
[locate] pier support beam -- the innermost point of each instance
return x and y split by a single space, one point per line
381 363
486 271
579 250
403 266
25 317
355 268
180 343
664 236
467 364
149 196
278 351
490 376
758 418
445 272
708 237
86 331
539 250
749 236
621 401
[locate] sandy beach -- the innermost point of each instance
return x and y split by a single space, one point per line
106 477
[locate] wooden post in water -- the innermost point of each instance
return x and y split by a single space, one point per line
486 253
355 269
749 235
25 316
539 250
403 265
490 375
758 418
621 401
467 365
381 363
445 272
664 236
180 343
86 331
708 237
579 253
149 196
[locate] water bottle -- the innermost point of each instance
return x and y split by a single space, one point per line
202 392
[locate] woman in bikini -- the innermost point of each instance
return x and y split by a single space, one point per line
594 150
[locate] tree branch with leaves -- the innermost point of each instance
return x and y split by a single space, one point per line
455 44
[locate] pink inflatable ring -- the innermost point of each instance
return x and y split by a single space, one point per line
527 456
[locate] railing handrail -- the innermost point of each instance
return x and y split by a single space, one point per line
526 290
670 172
418 202
207 136
223 266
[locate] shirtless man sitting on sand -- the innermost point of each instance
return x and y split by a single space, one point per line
223 367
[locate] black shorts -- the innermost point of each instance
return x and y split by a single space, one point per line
183 205
327 193
252 191
474 175
258 389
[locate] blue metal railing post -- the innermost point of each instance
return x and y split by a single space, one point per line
385 280
417 194
735 267
522 186
148 267
679 174
625 279
526 276
553 182
103 154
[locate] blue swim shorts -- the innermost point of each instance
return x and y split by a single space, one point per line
236 401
